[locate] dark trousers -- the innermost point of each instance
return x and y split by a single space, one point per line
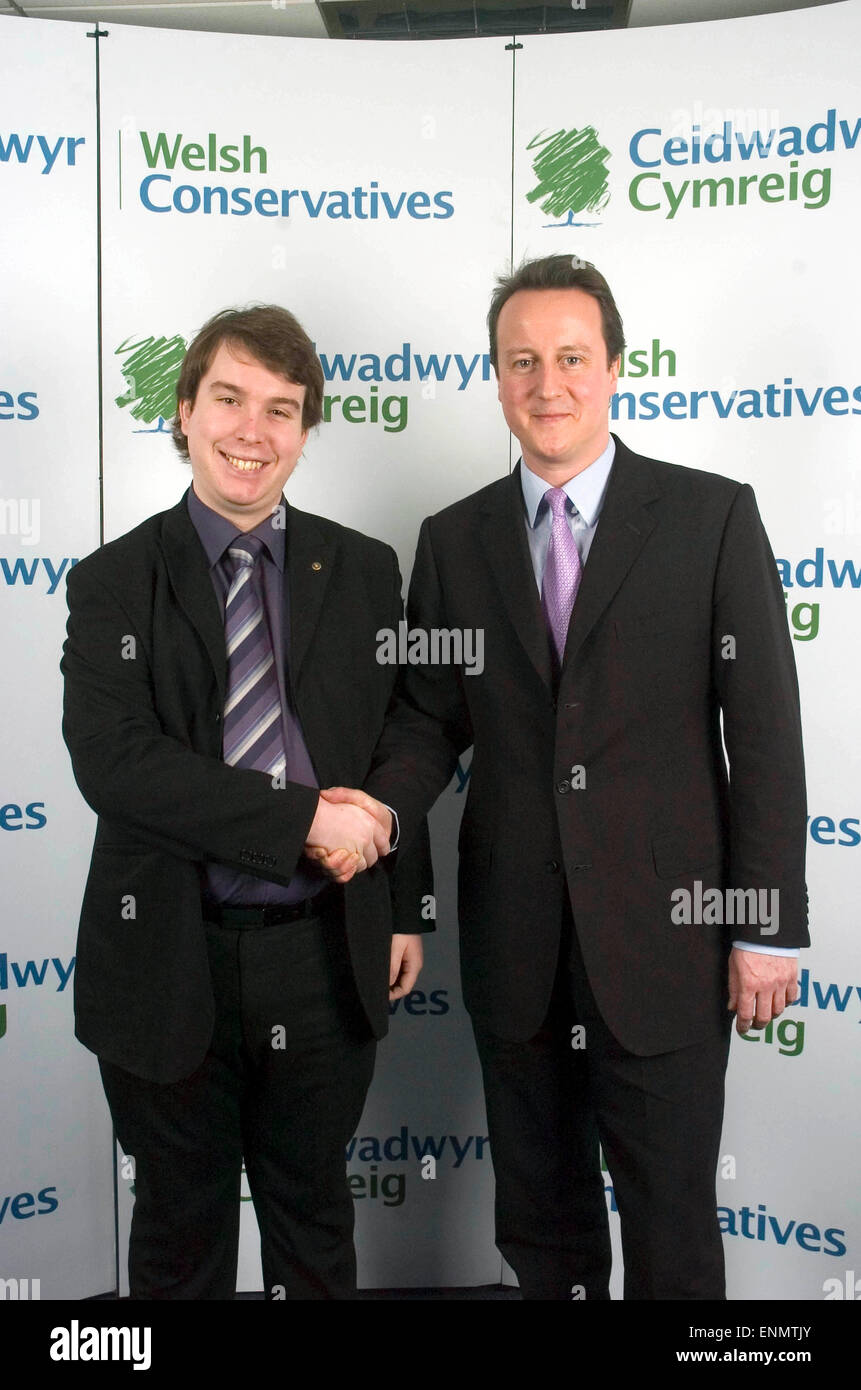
283 1084
658 1120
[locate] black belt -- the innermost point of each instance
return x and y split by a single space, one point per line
269 916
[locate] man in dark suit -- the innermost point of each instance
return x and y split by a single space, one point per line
220 668
626 604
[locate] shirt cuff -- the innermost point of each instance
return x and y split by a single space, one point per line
396 829
766 950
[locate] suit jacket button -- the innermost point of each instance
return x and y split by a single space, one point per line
552 866
563 786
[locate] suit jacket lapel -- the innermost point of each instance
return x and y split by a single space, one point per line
623 527
503 535
310 558
188 569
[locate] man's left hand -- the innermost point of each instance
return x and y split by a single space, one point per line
760 987
342 864
406 962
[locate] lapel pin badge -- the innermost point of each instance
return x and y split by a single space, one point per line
316 565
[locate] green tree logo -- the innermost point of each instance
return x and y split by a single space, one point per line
572 173
151 368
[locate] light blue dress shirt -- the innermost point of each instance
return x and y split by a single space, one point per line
586 492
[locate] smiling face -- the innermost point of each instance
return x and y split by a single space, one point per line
245 435
554 381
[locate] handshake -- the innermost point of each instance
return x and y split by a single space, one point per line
349 833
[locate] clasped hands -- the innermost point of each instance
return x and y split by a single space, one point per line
349 833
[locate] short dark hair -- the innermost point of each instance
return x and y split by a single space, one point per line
267 332
559 273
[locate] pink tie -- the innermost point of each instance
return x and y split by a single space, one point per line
561 572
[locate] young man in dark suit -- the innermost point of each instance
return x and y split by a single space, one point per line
626 605
220 668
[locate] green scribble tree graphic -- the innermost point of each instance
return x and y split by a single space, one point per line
151 369
572 172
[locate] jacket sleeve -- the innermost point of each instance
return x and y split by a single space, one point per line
428 725
757 686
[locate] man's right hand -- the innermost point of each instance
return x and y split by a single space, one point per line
345 839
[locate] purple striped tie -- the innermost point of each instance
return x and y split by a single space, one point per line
253 734
561 572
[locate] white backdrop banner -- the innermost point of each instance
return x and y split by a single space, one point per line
720 201
56 1199
371 197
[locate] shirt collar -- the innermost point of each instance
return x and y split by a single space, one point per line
586 490
216 532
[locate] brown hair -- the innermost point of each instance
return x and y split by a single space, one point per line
267 332
559 273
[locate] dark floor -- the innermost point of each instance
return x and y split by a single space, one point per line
483 1291
412 1295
